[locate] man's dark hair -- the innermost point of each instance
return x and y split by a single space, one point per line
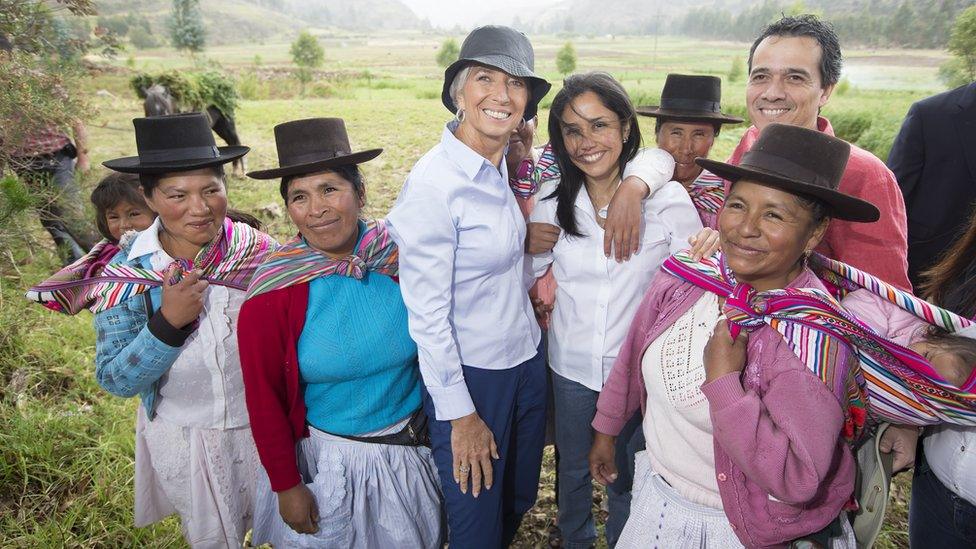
812 26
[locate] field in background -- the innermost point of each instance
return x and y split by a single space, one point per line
66 446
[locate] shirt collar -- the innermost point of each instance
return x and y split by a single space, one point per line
464 156
147 242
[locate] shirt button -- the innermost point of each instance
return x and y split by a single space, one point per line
722 478
963 448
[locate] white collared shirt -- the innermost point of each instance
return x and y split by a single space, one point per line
596 297
204 388
461 239
950 451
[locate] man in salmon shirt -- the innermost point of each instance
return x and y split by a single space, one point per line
793 68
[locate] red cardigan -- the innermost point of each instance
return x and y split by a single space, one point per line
268 329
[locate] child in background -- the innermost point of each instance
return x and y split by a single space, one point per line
120 206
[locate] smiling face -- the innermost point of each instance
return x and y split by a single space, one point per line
784 84
493 102
126 216
325 207
686 141
191 206
764 232
593 135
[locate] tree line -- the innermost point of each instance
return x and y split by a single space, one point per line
878 23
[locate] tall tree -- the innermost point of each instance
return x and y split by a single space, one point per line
186 28
566 59
448 52
307 54
962 42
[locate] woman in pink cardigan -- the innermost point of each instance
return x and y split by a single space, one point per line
748 423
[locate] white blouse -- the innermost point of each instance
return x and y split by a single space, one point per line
204 388
677 425
597 297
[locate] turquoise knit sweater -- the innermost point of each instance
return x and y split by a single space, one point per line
358 364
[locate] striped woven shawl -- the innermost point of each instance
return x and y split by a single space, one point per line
898 383
708 192
296 262
229 260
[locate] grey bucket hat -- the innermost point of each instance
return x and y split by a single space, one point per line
502 48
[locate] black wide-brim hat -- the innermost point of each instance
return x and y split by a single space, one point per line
799 161
312 145
691 98
174 143
502 48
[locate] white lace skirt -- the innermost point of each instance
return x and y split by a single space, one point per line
368 495
208 476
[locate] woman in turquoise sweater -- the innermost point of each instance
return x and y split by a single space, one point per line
330 367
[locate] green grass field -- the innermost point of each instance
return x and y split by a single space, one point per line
67 446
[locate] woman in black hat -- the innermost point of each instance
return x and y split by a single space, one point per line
166 310
689 119
461 238
750 405
329 366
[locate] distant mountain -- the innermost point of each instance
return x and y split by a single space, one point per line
242 21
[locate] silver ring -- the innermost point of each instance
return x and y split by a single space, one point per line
464 468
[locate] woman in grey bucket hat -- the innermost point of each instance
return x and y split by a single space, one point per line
461 238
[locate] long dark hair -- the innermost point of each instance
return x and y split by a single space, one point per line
614 97
951 282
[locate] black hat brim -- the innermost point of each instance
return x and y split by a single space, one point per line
842 206
538 86
657 112
133 164
316 166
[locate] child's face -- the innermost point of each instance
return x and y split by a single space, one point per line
951 367
126 216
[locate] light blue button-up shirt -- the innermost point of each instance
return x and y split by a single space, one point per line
461 237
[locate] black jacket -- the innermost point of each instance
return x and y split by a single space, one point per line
934 159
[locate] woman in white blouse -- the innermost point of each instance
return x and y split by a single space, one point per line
460 234
594 134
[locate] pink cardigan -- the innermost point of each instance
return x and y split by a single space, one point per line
783 469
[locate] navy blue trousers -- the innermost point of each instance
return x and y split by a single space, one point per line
512 403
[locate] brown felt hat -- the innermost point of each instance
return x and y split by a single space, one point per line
312 145
174 143
799 161
692 98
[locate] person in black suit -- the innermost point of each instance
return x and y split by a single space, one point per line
933 158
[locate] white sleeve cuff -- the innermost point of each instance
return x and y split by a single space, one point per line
452 401
653 166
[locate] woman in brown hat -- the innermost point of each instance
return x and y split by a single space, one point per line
330 368
461 238
166 308
689 119
749 409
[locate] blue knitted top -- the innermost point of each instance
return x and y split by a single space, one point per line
358 365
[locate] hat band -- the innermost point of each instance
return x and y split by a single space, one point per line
690 105
784 167
179 153
308 158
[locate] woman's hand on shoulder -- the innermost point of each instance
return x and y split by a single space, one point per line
298 509
540 238
704 244
722 354
622 230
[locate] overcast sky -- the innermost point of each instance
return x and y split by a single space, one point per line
468 13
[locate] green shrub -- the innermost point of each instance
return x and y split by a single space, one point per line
843 87
250 87
850 126
878 138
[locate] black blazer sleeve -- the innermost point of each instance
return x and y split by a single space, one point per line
907 156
